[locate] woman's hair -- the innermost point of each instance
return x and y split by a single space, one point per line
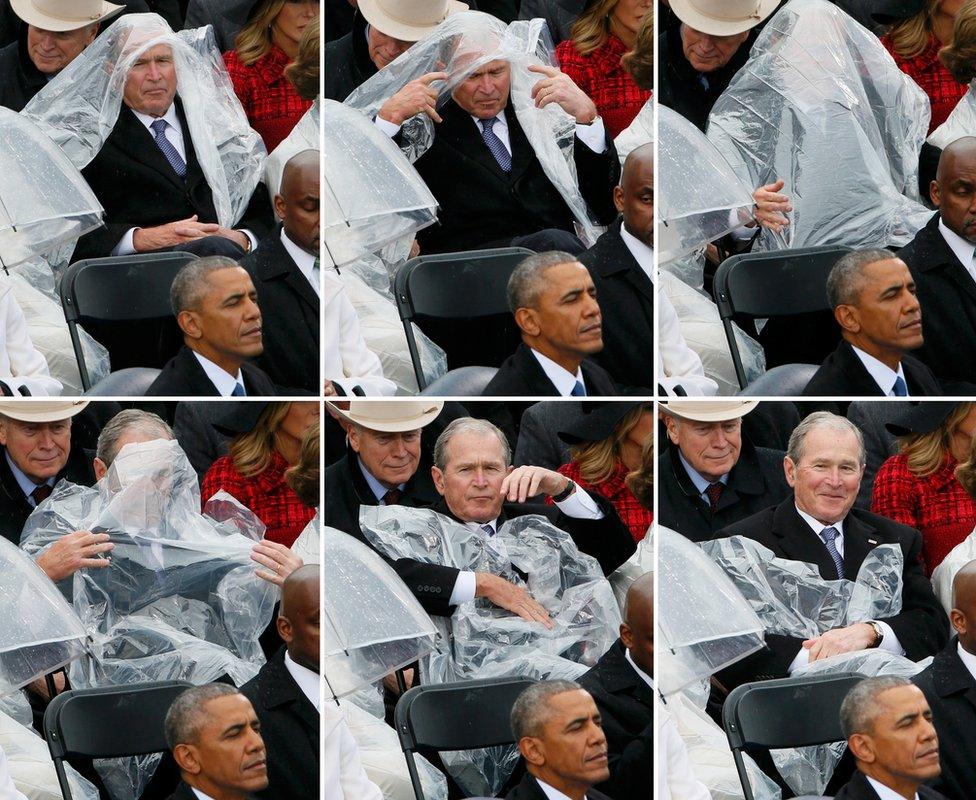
598 460
255 38
911 36
639 62
303 478
641 481
960 56
925 452
251 452
303 72
966 471
592 28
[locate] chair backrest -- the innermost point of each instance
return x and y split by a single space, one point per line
131 382
462 382
786 380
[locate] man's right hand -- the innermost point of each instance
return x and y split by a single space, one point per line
172 233
73 552
510 597
417 97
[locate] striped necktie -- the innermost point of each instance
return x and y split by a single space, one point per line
166 147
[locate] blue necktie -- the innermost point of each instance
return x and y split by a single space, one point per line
578 390
238 391
829 535
490 531
166 147
497 147
900 388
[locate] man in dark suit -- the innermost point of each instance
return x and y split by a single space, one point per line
710 475
216 307
621 264
285 693
949 686
285 271
888 725
557 728
553 299
819 525
226 17
874 300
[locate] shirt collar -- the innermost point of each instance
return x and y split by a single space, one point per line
883 792
309 682
640 673
550 793
304 260
501 124
818 526
643 254
480 526
701 482
377 488
563 380
26 484
200 794
967 658
223 381
170 116
881 373
962 249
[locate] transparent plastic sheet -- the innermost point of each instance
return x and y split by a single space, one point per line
373 624
308 544
961 122
15 706
701 198
372 193
80 106
945 573
483 641
304 136
703 620
821 104
639 132
462 44
641 562
44 201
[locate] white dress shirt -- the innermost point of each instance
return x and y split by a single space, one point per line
640 673
308 681
678 364
967 658
22 366
305 262
962 249
343 776
881 373
642 254
562 379
221 379
884 793
700 481
200 794
552 794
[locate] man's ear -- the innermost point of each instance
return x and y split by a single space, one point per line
532 750
934 195
279 206
190 324
284 628
100 469
789 468
618 199
438 477
352 434
848 317
3 433
187 759
862 747
672 428
528 322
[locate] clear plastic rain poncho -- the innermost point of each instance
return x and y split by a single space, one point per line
461 45
639 132
306 135
944 574
960 123
821 104
483 641
641 562
79 107
373 624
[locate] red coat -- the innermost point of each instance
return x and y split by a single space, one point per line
637 518
936 81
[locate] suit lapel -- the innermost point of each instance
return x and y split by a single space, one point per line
136 141
461 132
199 383
535 376
946 259
276 263
859 539
522 153
799 542
858 380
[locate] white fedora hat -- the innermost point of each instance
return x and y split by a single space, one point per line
41 410
408 20
723 17
63 15
391 416
709 410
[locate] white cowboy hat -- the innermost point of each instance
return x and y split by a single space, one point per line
63 15
723 17
408 20
709 410
391 416
41 410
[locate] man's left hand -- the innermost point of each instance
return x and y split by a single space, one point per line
238 237
558 87
859 636
526 482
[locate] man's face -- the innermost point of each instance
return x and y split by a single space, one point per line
566 314
484 93
383 49
887 310
828 475
638 636
229 318
391 458
52 51
707 53
229 753
298 207
300 630
572 741
150 85
39 449
954 193
471 480
634 198
712 448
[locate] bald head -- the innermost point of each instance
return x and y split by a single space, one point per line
637 630
963 613
298 616
953 191
297 201
634 197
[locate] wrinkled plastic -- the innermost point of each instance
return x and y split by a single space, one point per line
461 45
304 136
78 108
703 620
960 122
373 624
308 544
481 640
821 104
945 572
44 201
639 132
641 562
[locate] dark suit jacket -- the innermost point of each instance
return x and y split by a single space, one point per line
184 377
529 789
349 63
558 14
921 626
20 80
843 373
755 482
290 308
138 188
626 295
290 729
947 294
858 788
625 703
183 792
481 206
951 692
521 375
227 17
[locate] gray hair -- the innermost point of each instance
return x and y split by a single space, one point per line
531 708
860 707
189 285
468 425
187 716
846 278
823 419
130 419
526 283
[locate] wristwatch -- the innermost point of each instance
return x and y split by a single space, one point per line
570 486
878 632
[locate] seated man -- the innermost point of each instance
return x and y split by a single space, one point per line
214 736
216 307
557 728
554 302
890 733
873 297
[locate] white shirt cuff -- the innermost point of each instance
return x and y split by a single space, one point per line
464 588
391 129
579 505
125 247
251 238
889 642
801 660
593 135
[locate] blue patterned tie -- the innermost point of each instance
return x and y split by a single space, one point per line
497 147
829 535
490 531
578 390
238 391
900 388
166 147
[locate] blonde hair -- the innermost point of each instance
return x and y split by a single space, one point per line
303 478
598 460
960 56
303 72
251 452
641 480
966 471
911 36
256 37
925 452
592 28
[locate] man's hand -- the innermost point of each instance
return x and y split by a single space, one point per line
417 97
771 206
557 87
172 233
510 597
525 482
329 390
237 237
859 636
73 552
279 560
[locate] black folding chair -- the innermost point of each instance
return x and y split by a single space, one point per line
789 712
780 284
459 300
461 382
108 723
455 716
786 380
101 294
